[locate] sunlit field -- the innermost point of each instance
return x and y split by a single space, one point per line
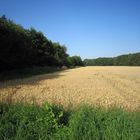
96 86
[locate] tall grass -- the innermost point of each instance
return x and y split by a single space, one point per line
49 122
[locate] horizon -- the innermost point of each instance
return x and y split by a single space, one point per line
90 29
113 56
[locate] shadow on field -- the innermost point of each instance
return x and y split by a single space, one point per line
29 78
26 72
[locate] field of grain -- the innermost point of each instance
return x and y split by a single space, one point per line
98 86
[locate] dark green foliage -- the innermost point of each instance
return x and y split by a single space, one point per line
123 60
20 48
27 122
49 122
75 61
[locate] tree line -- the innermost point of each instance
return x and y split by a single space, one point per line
20 48
122 60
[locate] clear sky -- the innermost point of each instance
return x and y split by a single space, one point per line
89 28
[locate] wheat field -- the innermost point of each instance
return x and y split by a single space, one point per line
97 86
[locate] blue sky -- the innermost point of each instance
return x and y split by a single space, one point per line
89 28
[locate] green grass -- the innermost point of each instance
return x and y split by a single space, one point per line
49 122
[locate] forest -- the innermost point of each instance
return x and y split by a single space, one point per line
122 60
25 48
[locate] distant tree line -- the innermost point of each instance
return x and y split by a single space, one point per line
122 60
20 48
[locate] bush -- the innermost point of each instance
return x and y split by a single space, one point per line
29 121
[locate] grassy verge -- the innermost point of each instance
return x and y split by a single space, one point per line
48 122
26 72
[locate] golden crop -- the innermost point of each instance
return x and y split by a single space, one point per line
98 86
